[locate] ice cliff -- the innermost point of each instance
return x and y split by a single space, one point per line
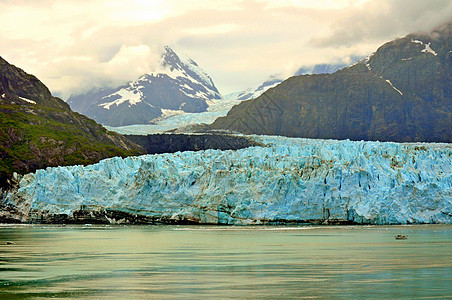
291 180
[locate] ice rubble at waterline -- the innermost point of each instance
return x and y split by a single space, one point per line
288 180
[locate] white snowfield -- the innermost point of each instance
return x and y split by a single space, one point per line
131 94
288 180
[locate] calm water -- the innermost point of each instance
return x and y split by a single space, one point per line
225 262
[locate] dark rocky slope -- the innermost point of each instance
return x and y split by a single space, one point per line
402 92
38 130
170 143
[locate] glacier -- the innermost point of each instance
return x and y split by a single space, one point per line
286 181
179 119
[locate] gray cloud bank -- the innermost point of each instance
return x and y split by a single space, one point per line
74 46
386 20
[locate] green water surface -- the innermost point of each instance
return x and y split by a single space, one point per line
210 262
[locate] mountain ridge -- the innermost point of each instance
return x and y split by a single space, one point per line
400 93
178 84
38 130
274 80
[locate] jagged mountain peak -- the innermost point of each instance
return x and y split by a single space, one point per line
170 59
178 84
173 62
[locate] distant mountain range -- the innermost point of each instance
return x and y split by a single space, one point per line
179 85
403 92
38 130
255 92
274 80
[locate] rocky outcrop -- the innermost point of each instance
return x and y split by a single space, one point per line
16 84
400 93
170 143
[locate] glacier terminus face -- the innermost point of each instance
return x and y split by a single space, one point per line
286 181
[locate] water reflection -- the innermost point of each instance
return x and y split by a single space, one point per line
226 262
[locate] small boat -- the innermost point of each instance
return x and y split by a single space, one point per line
401 237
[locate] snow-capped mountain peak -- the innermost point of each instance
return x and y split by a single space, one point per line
177 84
183 66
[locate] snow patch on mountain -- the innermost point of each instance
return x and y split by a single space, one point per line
417 41
427 48
187 61
388 81
366 61
169 112
25 99
131 94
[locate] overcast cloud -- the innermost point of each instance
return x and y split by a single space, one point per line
74 45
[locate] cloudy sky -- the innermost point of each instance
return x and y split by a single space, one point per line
74 45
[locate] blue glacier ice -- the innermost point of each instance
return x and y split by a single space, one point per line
287 180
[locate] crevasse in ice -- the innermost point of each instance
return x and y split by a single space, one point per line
289 180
